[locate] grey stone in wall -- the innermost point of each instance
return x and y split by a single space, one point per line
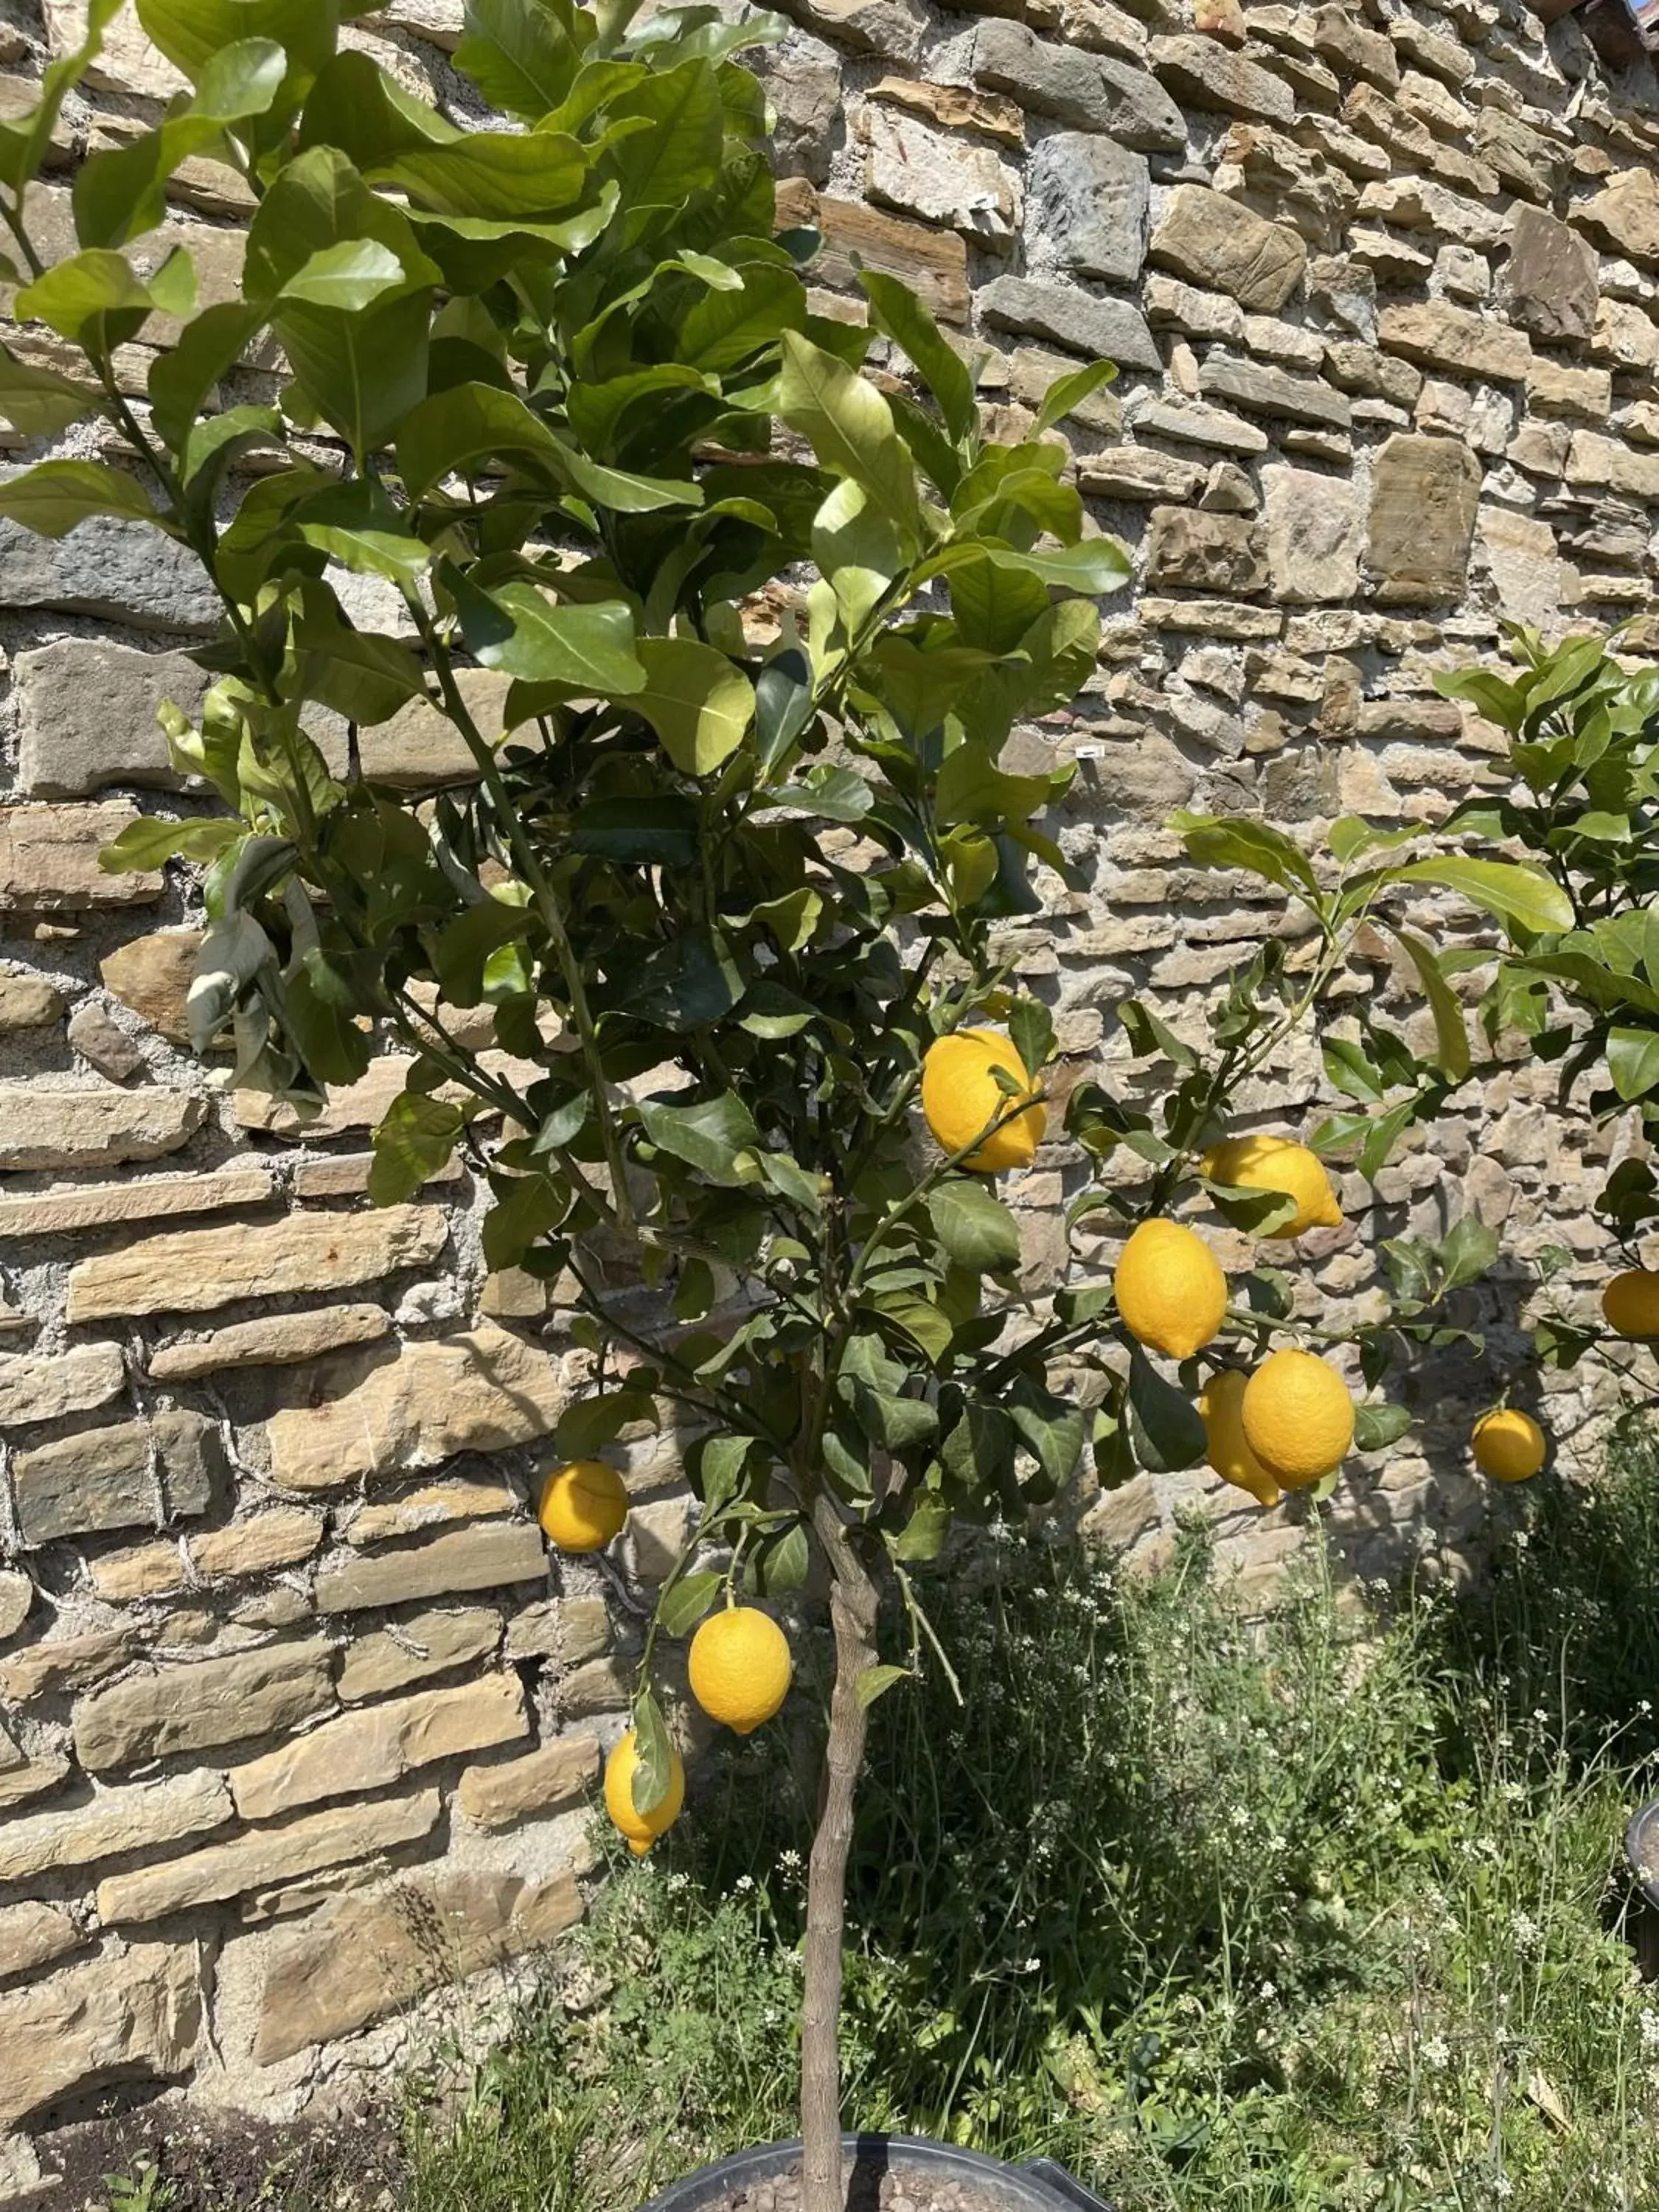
1089 197
1081 321
87 716
1093 91
1424 495
122 570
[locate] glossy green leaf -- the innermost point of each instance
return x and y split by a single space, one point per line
1167 1427
684 1603
654 1760
523 54
1068 392
901 316
975 1228
52 496
1513 891
1633 1061
412 1142
849 427
698 703
1451 1029
707 1136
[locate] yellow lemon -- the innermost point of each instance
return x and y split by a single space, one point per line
1630 1304
740 1667
1170 1291
640 1829
1226 1451
1277 1163
583 1505
1509 1445
1298 1417
960 1096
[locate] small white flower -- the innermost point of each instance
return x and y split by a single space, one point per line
1268 1992
1648 2023
1526 1932
1503 2188
1437 2054
790 1859
744 1882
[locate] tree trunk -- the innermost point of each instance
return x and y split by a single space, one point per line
853 1604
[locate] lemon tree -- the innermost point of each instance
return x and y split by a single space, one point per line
1582 984
705 970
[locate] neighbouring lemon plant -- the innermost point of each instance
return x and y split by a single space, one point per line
705 969
1576 794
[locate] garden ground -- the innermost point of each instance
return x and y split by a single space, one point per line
1321 1912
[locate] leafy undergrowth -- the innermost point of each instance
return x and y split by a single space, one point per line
1317 1913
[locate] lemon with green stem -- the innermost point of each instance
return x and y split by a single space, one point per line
961 1099
1170 1291
740 1667
1277 1163
1297 1417
640 1830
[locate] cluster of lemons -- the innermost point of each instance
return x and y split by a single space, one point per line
1286 1425
739 1663
1289 1423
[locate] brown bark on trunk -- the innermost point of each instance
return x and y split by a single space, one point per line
853 1604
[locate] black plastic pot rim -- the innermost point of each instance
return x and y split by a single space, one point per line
1041 2184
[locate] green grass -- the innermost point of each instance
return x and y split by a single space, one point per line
1319 1912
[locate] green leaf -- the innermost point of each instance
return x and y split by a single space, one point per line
463 430
52 496
684 1604
349 276
526 1208
698 703
592 1423
780 1562
976 1229
647 832
1633 1061
923 1534
122 192
1450 1030
1051 1428
871 1681
412 1144
589 648
40 403
654 1761
146 844
1233 841
723 328
832 794
1094 565
678 151
972 789
1469 1249
1509 889
1068 392
850 428
902 317
94 299
1376 1425
707 1136
522 54
1166 1426
192 33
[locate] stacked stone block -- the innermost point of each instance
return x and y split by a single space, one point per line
295 1714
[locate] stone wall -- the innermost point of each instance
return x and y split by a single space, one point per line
296 1714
